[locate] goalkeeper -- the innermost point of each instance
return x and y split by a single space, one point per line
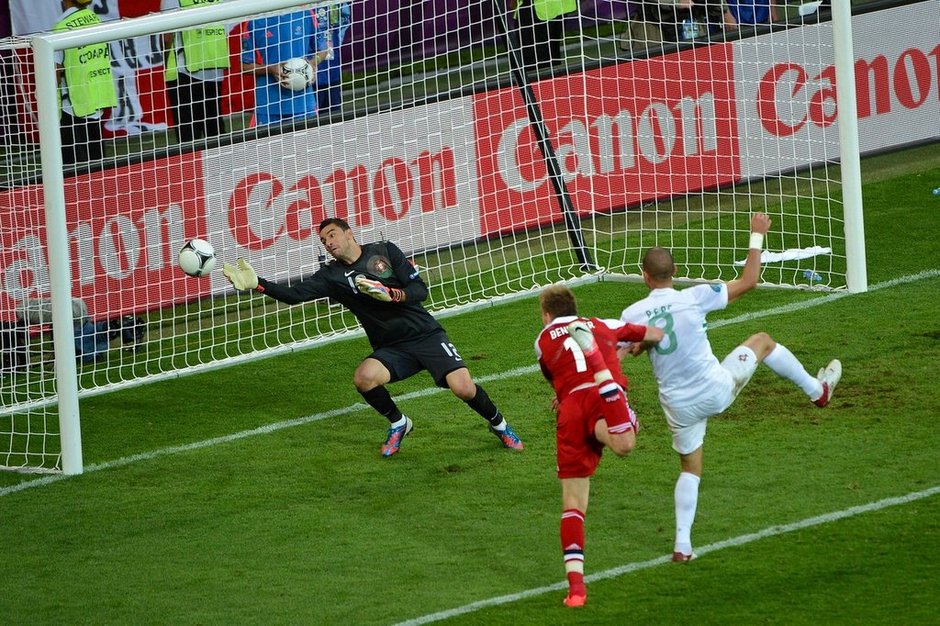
384 291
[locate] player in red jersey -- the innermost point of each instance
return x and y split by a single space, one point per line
579 357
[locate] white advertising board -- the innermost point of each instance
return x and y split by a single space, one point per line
408 176
783 95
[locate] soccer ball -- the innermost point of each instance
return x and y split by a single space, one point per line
296 74
197 257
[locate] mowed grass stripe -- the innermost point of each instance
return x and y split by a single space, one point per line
770 531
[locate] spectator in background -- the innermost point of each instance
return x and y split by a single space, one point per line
267 44
640 33
540 26
196 61
752 12
86 87
686 20
333 20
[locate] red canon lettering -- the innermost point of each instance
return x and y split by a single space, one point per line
878 84
436 180
393 189
238 203
920 72
822 106
310 205
767 99
352 195
868 76
613 142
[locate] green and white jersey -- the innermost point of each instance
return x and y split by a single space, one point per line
685 367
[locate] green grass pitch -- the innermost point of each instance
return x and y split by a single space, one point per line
180 520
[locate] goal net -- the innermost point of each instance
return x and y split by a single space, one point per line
500 151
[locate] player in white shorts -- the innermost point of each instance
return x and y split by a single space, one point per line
693 384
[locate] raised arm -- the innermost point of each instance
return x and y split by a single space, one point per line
760 224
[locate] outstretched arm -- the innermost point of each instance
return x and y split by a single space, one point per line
633 338
630 332
243 278
760 224
651 336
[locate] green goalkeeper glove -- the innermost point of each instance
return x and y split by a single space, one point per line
379 291
242 276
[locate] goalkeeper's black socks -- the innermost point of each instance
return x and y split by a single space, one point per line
482 404
381 400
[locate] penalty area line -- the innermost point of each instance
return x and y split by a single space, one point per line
740 540
519 371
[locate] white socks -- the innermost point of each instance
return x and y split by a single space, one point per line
784 364
686 502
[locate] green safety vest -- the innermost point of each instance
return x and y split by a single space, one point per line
550 9
87 69
204 48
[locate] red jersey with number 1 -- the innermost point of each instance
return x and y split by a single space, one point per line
562 361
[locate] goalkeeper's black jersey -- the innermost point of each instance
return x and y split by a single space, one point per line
385 323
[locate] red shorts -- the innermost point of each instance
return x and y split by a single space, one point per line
578 451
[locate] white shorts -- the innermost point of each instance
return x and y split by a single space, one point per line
687 423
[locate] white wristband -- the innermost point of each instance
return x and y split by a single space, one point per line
757 241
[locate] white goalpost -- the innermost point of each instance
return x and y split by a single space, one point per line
497 160
856 270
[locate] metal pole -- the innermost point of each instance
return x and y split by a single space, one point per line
57 247
847 110
537 122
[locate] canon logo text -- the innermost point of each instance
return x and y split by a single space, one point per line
612 143
113 248
788 97
260 210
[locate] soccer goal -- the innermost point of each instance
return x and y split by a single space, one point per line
500 151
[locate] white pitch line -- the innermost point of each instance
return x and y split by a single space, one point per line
740 540
830 297
519 371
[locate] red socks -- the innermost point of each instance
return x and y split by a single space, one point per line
572 545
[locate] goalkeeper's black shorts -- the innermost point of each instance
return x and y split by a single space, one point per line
434 353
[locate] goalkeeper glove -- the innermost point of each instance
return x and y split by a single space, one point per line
242 276
379 291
